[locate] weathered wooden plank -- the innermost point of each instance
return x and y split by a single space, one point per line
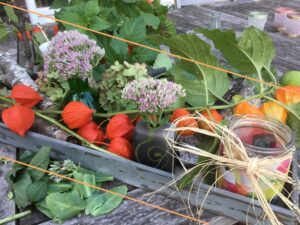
7 207
234 16
219 201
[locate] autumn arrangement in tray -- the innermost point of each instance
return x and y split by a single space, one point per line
109 96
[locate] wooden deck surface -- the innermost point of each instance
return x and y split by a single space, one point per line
234 16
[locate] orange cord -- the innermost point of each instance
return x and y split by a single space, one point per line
104 190
141 45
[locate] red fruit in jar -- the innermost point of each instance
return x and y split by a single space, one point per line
121 147
264 141
229 186
76 115
25 95
120 126
18 118
91 133
284 167
242 190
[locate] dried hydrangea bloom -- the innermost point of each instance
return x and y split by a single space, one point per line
71 53
152 95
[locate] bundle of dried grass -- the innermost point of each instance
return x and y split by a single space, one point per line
235 157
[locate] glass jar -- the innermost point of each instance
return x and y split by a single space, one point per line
293 25
257 19
261 137
280 17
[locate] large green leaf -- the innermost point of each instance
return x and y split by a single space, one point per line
40 160
43 208
250 54
11 14
101 204
85 191
134 30
20 190
58 187
91 8
294 123
151 20
64 206
203 85
37 191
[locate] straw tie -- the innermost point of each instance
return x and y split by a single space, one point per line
252 166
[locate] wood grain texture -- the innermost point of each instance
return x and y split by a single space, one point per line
219 201
7 207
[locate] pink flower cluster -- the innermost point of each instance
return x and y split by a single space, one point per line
71 53
152 95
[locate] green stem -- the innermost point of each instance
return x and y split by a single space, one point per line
15 217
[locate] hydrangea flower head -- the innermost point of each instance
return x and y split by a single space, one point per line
153 95
71 53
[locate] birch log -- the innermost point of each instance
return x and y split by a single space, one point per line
12 74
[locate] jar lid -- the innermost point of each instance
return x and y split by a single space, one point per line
258 14
294 16
285 10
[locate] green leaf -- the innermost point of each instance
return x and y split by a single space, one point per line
249 54
37 191
11 14
40 160
99 24
3 32
85 191
135 30
162 60
99 177
294 123
91 8
203 85
151 20
101 204
58 187
42 207
20 190
64 206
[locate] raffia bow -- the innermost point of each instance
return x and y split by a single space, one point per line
236 158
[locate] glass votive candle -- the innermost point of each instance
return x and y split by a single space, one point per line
280 17
257 19
293 25
262 137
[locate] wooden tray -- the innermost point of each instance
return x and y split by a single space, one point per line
219 201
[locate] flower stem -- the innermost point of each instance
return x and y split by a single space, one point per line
15 217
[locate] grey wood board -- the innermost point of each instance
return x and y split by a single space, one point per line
219 201
7 207
191 17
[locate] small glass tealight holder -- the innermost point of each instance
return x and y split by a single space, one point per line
280 18
257 19
293 25
215 21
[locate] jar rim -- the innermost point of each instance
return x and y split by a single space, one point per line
258 14
286 147
285 10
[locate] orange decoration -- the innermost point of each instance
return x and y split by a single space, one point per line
76 115
288 95
121 147
18 118
214 116
91 133
273 110
25 95
120 126
245 108
179 113
188 122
